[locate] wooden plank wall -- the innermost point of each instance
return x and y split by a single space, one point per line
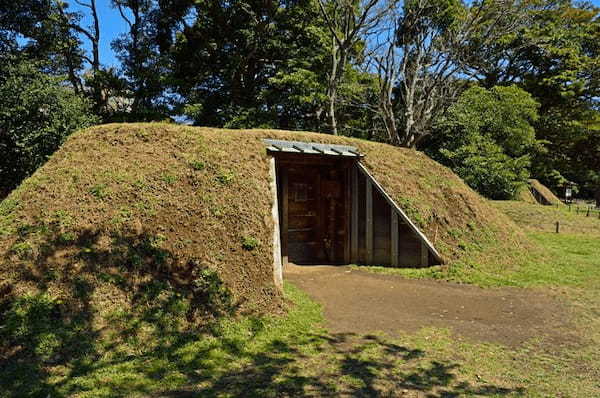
378 233
379 236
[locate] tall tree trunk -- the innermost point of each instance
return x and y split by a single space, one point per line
332 88
96 37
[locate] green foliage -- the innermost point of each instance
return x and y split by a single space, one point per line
169 178
99 191
37 113
486 138
198 165
554 57
225 177
484 166
142 63
21 249
250 243
256 64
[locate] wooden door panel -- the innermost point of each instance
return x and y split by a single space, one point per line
317 213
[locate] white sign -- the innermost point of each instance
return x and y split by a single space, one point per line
568 193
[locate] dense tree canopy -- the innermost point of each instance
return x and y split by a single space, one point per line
387 70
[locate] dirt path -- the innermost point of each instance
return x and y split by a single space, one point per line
362 302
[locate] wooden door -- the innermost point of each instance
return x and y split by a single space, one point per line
317 225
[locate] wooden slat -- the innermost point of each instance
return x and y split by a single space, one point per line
369 221
424 255
348 215
354 218
284 215
401 213
394 239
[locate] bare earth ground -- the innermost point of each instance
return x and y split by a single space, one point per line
357 301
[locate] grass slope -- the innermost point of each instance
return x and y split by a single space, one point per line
177 199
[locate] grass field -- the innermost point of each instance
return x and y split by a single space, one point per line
293 355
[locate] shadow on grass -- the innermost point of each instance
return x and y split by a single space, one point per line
172 336
336 364
55 326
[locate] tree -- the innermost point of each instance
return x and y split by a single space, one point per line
420 58
71 20
554 56
349 21
487 137
35 29
141 62
37 112
234 63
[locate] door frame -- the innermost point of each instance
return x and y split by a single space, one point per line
285 160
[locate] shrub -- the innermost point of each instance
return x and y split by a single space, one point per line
486 138
37 113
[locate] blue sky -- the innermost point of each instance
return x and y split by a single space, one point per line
112 25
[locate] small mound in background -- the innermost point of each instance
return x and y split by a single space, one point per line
171 225
524 195
542 194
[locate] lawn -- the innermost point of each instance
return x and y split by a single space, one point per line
293 355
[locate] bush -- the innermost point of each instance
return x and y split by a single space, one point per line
486 138
37 113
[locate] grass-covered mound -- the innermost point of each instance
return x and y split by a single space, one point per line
524 195
545 194
178 203
133 230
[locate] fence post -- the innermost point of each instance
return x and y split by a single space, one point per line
557 227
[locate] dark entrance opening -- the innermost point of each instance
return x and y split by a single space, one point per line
314 198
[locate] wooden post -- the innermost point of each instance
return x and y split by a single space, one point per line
588 212
424 255
557 227
369 221
284 215
354 217
394 238
277 267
